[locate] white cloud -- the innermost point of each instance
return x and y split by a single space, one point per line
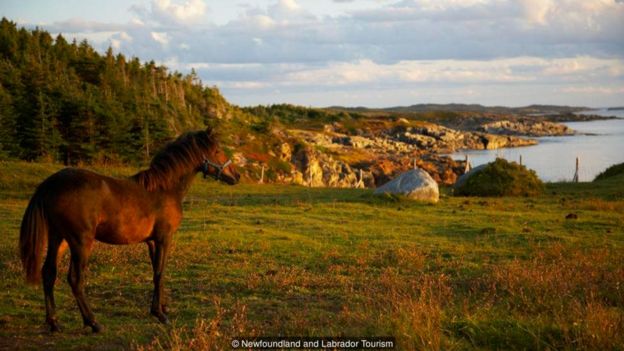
603 90
515 70
388 33
463 44
171 13
289 4
160 37
537 11
189 11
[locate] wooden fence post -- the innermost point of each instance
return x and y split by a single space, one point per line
520 160
360 182
576 172
261 176
467 166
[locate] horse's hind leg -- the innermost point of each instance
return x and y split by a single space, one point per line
48 274
79 257
158 254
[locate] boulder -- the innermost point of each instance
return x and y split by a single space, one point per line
415 184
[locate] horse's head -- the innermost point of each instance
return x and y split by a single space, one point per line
217 165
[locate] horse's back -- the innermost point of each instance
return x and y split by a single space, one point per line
72 178
79 200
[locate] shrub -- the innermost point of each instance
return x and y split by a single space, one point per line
502 178
612 171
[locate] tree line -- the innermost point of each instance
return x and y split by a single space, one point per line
63 101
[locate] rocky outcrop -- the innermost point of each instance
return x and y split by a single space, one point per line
416 184
315 169
445 140
526 127
285 152
492 142
330 157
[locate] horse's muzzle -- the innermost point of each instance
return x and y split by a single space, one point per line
220 175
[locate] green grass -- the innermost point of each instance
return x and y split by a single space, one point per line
466 273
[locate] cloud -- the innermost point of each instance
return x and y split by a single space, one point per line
77 25
285 32
283 46
603 90
537 11
166 12
515 70
160 37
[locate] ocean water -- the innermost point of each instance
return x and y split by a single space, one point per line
598 145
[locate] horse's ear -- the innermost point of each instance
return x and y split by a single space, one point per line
211 133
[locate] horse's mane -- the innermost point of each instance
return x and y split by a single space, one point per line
176 159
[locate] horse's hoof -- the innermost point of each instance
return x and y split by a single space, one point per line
161 317
164 320
55 327
96 327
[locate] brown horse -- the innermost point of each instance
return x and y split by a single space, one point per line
75 207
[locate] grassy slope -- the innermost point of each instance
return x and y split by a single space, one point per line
267 260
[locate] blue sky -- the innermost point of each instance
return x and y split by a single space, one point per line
364 52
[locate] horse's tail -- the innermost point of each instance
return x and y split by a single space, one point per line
33 237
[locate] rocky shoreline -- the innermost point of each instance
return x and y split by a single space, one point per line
371 157
340 155
576 117
526 127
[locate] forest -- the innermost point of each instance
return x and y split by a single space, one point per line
64 102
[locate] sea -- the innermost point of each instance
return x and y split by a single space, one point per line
597 145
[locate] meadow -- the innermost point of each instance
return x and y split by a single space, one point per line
267 260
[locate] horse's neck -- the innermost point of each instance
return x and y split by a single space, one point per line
183 185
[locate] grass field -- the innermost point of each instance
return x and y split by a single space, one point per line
466 273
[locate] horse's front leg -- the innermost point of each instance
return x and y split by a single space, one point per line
159 249
151 246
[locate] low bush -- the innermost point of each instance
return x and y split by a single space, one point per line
610 172
501 178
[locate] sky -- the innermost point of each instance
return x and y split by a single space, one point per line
373 53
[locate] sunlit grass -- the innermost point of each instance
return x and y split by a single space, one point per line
466 273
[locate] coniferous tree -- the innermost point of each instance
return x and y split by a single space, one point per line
66 102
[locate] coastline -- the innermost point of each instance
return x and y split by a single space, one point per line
596 143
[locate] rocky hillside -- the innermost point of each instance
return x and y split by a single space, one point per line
359 147
358 152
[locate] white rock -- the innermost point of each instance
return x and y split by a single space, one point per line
415 184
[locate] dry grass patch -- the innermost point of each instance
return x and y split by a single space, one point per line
207 334
575 297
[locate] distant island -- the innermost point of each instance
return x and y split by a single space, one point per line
477 108
616 108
